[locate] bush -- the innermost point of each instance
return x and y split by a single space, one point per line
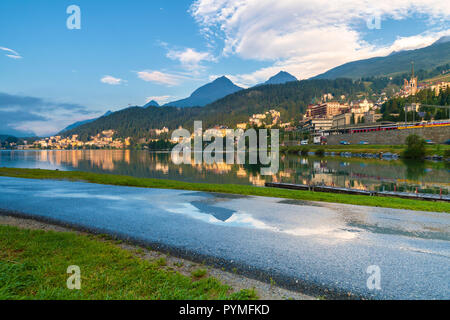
415 147
295 149
447 154
304 151
320 152
290 150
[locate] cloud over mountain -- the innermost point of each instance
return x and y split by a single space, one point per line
309 37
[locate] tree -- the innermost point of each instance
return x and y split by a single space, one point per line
415 148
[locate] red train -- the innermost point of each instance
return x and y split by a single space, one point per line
397 126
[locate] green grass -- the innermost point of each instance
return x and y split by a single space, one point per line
386 202
199 273
431 149
33 265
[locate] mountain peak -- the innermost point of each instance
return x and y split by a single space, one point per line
223 80
281 78
283 73
151 103
208 93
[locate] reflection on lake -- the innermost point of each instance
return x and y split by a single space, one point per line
350 173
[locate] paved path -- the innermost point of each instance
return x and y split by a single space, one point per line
314 247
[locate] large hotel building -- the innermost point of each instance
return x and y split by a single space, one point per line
325 110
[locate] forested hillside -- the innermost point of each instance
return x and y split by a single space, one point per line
379 84
291 99
428 97
398 62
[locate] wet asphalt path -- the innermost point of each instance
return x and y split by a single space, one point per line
317 248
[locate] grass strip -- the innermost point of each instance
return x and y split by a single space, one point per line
398 149
109 179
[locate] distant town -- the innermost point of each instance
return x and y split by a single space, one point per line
100 141
334 113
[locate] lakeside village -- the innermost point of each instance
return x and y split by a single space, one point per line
330 114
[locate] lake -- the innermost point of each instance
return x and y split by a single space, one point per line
364 174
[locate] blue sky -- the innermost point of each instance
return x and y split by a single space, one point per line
128 52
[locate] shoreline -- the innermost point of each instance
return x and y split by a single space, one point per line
185 263
367 151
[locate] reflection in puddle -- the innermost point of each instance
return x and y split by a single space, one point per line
425 251
219 213
235 220
298 202
375 228
326 231
78 195
207 211
215 197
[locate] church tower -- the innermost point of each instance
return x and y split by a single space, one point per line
410 87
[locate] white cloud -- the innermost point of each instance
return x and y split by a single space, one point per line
190 58
159 77
13 56
112 80
11 53
415 42
307 37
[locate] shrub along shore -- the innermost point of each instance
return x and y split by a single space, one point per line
430 150
109 179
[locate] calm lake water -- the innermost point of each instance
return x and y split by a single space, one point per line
428 177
